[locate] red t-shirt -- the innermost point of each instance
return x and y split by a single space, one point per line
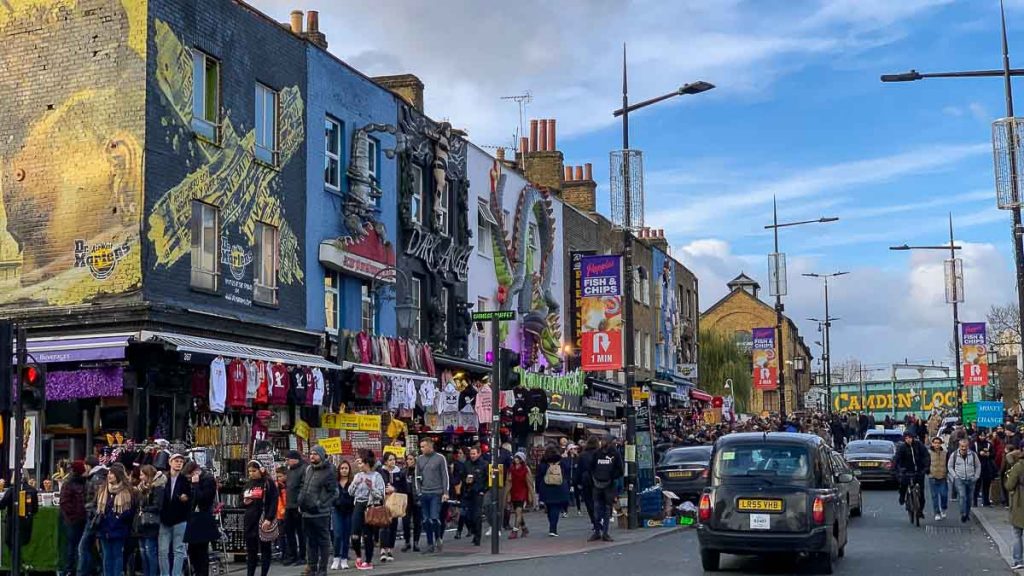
278 385
310 385
238 378
262 383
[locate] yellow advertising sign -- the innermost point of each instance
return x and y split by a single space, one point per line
301 429
398 451
362 422
639 394
331 445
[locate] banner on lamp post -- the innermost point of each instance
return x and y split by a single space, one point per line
766 367
601 312
974 353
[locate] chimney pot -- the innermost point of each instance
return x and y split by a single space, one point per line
568 173
501 153
312 21
533 135
524 146
296 21
543 144
579 173
551 135
588 171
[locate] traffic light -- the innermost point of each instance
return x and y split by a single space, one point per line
509 361
33 384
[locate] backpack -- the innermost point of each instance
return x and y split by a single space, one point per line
553 475
602 474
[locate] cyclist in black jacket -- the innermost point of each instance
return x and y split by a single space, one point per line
912 463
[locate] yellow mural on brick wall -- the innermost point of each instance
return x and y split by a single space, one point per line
71 153
226 175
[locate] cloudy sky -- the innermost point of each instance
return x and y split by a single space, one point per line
798 113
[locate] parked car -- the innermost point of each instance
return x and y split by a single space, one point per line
684 471
874 459
894 436
773 493
851 490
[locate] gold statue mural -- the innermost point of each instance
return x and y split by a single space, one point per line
71 162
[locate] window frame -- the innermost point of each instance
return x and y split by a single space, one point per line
444 294
416 302
484 243
332 291
367 308
443 207
203 278
333 156
265 293
271 155
483 336
418 192
202 126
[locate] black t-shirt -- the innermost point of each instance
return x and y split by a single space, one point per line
298 389
467 396
519 426
536 398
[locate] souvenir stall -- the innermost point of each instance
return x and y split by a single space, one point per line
604 400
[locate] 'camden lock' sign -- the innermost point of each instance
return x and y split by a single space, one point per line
439 253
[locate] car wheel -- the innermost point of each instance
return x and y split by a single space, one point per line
855 512
709 560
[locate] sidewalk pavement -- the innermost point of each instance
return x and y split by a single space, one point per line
996 521
572 539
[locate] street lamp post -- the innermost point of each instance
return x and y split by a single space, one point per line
1013 195
954 295
827 323
627 272
403 310
777 284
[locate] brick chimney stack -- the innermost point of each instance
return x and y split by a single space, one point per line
313 33
579 188
407 86
296 22
539 155
654 237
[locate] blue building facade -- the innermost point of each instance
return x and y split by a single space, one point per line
351 206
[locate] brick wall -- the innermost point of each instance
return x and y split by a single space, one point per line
73 126
181 168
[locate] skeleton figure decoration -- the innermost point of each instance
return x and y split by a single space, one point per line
359 210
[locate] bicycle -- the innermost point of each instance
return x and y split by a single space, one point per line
914 507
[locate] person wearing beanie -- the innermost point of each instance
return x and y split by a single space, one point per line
175 505
72 515
316 503
295 541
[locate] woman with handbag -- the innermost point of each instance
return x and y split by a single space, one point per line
147 527
116 506
396 490
369 514
521 494
342 518
260 520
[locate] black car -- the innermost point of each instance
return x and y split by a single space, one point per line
773 493
874 459
684 471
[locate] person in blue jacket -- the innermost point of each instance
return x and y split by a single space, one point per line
116 506
552 482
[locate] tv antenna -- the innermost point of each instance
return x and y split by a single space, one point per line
522 100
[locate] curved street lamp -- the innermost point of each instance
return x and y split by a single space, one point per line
403 309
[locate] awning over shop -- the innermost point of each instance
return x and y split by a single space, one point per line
82 348
606 386
570 418
385 371
478 368
211 347
698 394
662 387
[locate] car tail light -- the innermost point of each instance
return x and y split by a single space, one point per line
704 474
704 510
818 510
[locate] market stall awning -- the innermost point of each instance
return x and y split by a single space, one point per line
81 348
606 386
375 370
570 418
471 366
698 394
662 387
211 347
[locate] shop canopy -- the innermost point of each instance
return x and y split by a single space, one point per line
662 387
211 347
376 370
570 418
78 348
698 394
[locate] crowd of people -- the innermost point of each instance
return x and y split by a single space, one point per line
322 513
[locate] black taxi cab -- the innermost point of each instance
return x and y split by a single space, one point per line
773 493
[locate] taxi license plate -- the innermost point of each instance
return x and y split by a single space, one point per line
759 505
680 474
869 464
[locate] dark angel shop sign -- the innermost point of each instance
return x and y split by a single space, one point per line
439 253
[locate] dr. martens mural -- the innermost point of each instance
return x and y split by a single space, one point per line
523 266
72 128
225 174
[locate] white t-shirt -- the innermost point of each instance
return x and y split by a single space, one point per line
318 387
252 380
428 397
448 402
218 385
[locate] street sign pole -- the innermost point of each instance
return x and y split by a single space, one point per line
19 454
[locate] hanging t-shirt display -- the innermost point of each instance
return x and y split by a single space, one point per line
238 378
467 419
218 384
310 385
318 387
448 400
252 379
298 382
428 397
263 377
201 383
520 422
536 403
467 397
278 385
484 404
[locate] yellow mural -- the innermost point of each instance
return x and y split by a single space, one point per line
226 175
71 162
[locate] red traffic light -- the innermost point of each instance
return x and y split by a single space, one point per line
31 375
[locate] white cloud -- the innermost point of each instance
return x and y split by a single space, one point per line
886 314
